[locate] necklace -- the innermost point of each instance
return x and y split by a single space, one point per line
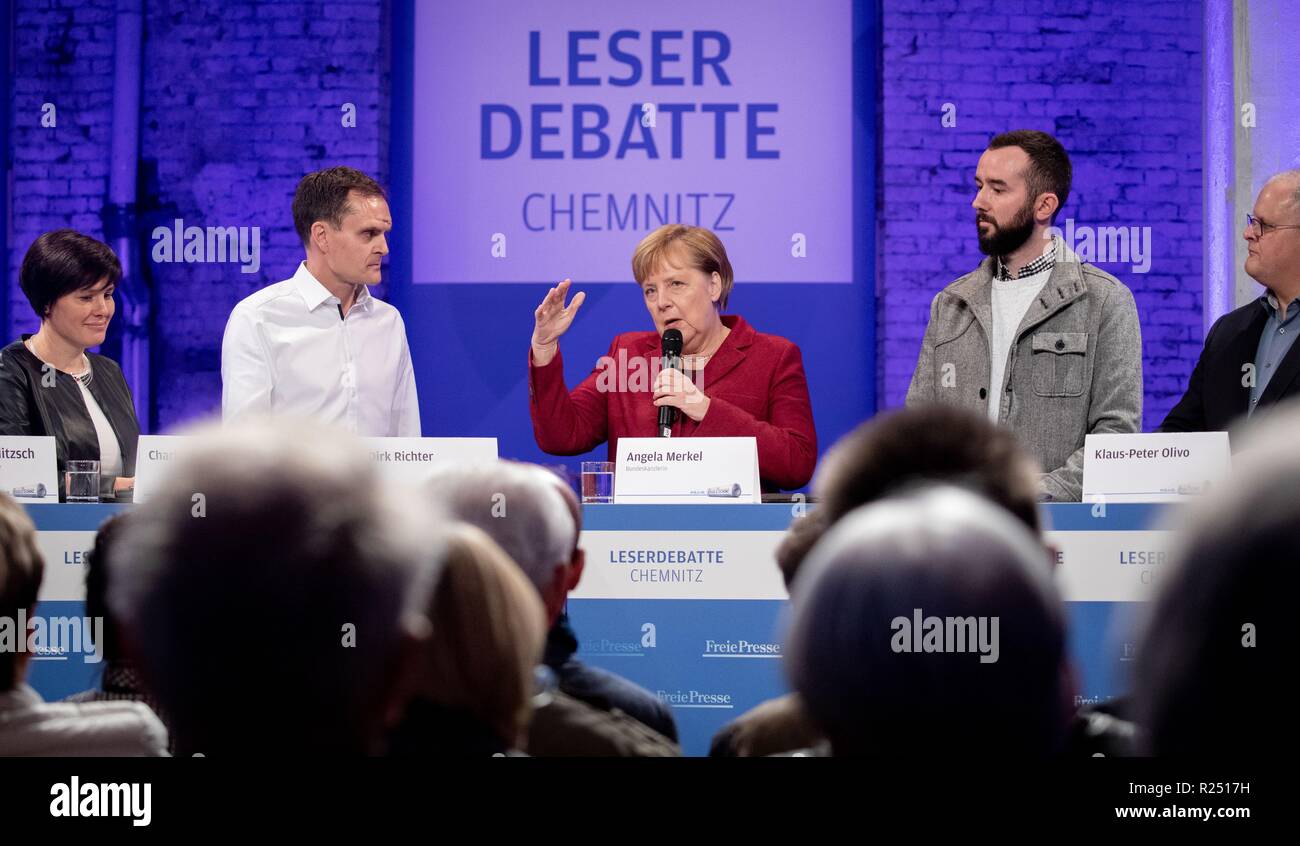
697 361
83 377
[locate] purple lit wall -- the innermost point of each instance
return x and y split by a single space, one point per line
1118 83
240 99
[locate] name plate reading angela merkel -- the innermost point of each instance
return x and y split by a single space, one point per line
28 468
712 471
1157 467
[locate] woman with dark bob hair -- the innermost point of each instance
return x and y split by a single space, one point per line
49 384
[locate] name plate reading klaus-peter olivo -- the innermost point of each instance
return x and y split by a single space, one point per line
1157 467
714 471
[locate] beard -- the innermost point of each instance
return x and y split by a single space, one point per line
1004 240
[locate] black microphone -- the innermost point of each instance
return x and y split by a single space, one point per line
672 355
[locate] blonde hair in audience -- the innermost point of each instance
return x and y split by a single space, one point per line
489 630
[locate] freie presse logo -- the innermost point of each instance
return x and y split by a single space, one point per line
741 648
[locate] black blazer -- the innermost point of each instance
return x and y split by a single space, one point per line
27 408
1216 395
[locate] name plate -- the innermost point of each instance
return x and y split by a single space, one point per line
153 455
407 460
412 461
29 468
1158 467
715 471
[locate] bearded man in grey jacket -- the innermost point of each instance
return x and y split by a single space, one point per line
1034 338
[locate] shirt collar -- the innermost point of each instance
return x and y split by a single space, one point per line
1269 302
1044 262
314 294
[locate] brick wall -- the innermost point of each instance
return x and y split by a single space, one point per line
239 100
1118 83
63 55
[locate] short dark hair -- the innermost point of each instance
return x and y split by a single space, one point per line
798 541
930 443
902 448
1199 688
110 532
60 262
21 571
323 195
897 450
1049 165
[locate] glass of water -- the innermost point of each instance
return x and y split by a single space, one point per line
598 481
81 481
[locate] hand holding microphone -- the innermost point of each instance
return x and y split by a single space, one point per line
673 391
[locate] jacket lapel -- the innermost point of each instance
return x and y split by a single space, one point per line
732 352
976 290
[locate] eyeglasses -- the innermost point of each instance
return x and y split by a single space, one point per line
1259 227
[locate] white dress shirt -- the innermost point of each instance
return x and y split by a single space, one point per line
110 450
289 350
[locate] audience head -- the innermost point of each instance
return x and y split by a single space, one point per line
901 449
488 631
272 591
108 535
1210 672
524 509
979 585
21 570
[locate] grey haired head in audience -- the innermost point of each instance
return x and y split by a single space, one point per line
268 587
520 507
991 679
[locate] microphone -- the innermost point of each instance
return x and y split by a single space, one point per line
672 355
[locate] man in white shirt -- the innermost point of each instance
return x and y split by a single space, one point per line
318 345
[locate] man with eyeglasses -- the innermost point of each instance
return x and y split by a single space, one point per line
1249 360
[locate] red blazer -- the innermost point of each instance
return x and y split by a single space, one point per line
755 384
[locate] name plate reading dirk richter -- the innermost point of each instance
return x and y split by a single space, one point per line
29 468
714 471
407 460
412 461
1157 467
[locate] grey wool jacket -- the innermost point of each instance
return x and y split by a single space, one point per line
1075 367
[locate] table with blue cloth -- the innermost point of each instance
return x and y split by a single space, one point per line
687 601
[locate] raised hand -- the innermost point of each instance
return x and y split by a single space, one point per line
551 320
